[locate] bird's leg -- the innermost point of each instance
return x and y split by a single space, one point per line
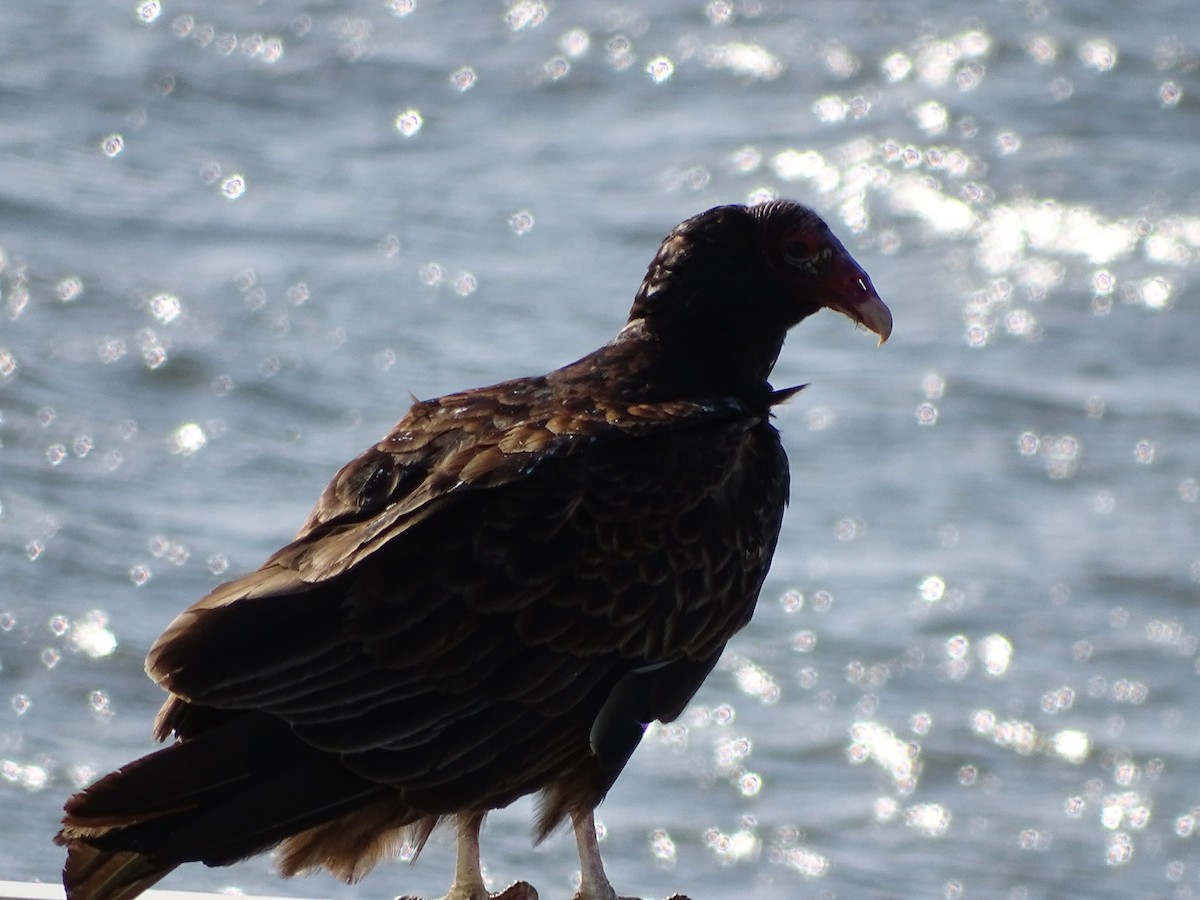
468 877
593 883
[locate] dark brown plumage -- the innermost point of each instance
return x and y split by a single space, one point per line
495 599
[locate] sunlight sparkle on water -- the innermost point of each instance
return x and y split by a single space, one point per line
808 863
1175 240
750 784
995 651
900 759
663 848
162 548
937 60
1126 809
730 848
755 681
187 439
1099 54
660 69
298 294
1060 455
804 641
8 363
226 43
431 274
839 60
1185 825
522 14
112 145
1033 839
1061 89
165 307
958 646
408 122
792 165
1042 48
101 704
750 60
619 52
719 12
464 79
931 819
792 601
1155 292
931 117
69 289
831 108
1058 700
149 11
922 198
30 777
91 635
521 222
761 195
575 43
233 187
1144 452
556 68
731 751
1023 736
885 809
464 284
1072 745
896 67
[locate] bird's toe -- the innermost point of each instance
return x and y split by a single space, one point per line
518 890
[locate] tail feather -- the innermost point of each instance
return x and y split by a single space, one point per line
234 790
103 875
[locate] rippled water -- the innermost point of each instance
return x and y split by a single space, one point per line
235 238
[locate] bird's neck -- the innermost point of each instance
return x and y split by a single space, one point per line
687 365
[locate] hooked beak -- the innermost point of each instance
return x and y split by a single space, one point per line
852 294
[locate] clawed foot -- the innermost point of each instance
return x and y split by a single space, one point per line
518 890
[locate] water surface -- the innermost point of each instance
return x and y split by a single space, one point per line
236 239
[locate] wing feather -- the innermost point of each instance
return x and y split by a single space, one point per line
464 592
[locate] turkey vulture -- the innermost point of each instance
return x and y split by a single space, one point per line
492 601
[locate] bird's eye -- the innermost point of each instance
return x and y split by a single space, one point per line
804 250
796 249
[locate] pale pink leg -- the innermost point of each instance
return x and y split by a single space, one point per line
468 878
593 883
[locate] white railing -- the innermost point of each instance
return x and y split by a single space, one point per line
35 890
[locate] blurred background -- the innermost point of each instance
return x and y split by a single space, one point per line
237 238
